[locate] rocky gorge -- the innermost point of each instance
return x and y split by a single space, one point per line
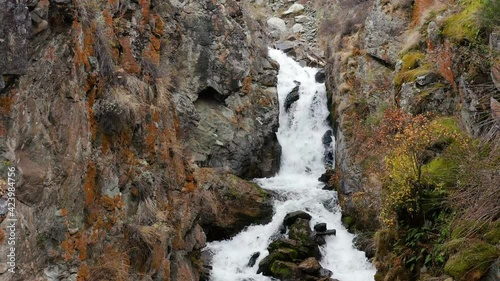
136 127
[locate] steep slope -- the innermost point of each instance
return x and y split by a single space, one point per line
108 108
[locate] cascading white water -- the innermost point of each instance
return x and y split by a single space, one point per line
300 135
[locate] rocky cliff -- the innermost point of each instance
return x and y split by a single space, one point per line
414 90
108 111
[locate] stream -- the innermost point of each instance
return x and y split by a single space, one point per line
297 187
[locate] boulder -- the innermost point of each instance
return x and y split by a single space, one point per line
285 270
292 97
230 203
276 25
310 266
290 218
426 79
294 9
301 231
282 254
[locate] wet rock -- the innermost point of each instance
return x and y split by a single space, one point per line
301 231
284 46
320 240
327 138
320 76
323 272
326 232
292 217
291 98
310 266
294 9
253 259
320 227
285 270
324 178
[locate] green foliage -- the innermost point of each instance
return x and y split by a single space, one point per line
409 178
465 25
472 263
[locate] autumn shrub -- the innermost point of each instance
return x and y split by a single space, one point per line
407 178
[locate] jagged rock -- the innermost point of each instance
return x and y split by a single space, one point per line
426 79
253 259
234 203
310 266
384 28
324 178
281 254
294 9
320 76
292 217
320 227
14 33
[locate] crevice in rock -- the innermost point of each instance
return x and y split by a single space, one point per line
382 62
210 94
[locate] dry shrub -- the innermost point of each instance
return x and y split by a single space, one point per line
146 247
112 266
477 195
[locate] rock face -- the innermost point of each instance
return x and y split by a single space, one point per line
296 257
107 112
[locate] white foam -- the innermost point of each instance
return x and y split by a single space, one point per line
300 135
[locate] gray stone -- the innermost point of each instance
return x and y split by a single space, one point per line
285 46
290 218
297 28
14 33
426 79
294 9
276 24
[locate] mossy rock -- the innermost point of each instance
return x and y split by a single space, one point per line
465 25
285 270
348 221
301 231
413 65
472 262
281 254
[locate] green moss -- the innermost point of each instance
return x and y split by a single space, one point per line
284 270
464 25
412 60
348 221
441 171
450 123
475 259
492 236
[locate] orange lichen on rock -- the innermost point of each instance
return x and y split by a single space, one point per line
158 25
419 9
127 59
247 85
90 183
153 52
83 272
6 103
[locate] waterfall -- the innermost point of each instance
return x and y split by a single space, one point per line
300 135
